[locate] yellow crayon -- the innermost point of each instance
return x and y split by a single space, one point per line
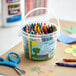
35 28
27 31
38 29
36 25
31 30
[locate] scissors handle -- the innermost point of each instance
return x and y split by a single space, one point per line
8 63
11 58
1 59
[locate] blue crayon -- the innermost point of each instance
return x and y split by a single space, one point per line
50 30
24 28
33 29
66 64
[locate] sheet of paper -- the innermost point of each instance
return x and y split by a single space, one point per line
72 35
71 50
65 38
71 31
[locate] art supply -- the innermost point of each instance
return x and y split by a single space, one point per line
39 39
71 31
12 62
71 50
66 64
65 38
39 29
72 35
69 60
12 12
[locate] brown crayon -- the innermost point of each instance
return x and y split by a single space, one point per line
69 60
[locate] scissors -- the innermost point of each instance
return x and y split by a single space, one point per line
12 62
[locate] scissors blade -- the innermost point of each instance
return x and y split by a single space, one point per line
20 69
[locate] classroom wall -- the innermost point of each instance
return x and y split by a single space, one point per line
65 9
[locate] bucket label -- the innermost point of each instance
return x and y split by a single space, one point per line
14 13
40 50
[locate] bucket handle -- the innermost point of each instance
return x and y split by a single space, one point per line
46 9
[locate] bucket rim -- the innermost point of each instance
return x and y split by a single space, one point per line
49 23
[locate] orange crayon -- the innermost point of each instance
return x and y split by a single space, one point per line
69 60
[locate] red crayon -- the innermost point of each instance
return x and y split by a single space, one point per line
48 26
44 26
29 26
26 29
45 31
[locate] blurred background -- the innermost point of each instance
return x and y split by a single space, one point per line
64 9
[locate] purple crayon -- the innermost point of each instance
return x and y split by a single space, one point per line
66 64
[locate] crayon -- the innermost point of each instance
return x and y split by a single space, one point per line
69 60
40 28
24 28
66 64
31 25
39 25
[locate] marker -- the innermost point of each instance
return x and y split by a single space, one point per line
69 60
66 64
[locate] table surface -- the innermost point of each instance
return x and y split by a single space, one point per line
45 66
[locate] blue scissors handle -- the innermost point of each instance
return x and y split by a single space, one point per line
8 63
11 58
